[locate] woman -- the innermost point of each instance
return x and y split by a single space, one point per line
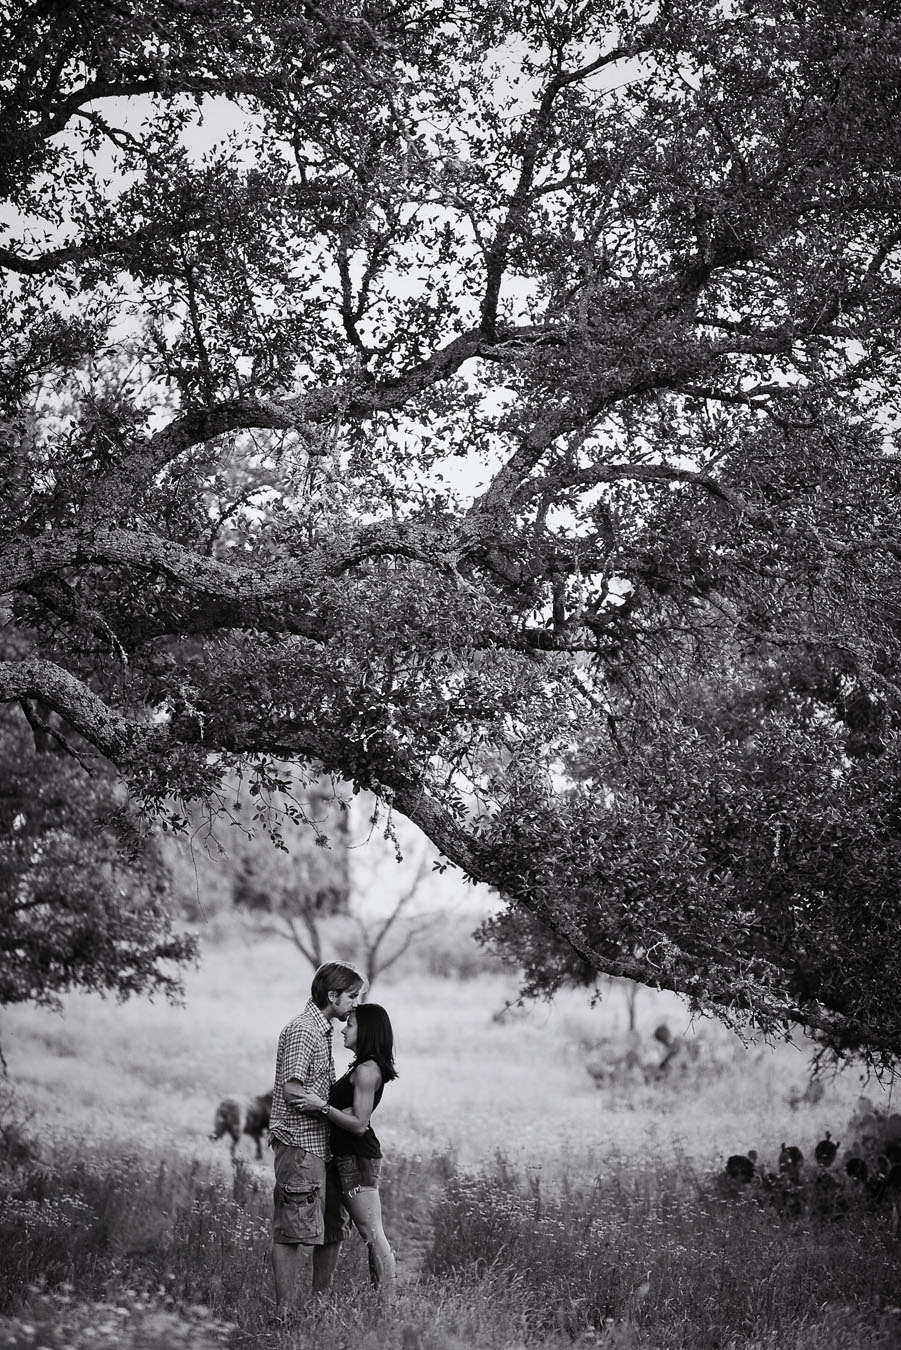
357 1151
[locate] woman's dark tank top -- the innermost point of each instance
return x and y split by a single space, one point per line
343 1142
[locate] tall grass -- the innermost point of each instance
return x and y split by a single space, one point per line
677 1255
170 1253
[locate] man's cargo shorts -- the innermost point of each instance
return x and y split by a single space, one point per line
308 1206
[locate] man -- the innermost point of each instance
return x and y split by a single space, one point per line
308 1209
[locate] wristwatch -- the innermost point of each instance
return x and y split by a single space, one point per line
323 1110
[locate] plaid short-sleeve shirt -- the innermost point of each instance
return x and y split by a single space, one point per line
304 1053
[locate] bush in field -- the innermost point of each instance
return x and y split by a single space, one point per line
874 1137
829 1180
84 898
16 1147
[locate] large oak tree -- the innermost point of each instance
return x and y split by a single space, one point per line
502 416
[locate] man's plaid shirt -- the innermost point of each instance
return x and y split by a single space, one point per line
305 1053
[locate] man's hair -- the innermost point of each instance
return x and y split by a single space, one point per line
333 975
375 1039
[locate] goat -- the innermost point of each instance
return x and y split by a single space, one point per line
227 1120
256 1120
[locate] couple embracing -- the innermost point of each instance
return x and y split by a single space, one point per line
327 1157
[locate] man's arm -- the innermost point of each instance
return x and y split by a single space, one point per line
297 1064
291 1088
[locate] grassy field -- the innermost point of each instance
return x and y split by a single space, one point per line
528 1205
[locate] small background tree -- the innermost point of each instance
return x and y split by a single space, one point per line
360 895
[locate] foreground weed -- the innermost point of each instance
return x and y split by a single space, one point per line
58 1321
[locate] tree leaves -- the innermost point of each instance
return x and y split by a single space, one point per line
505 400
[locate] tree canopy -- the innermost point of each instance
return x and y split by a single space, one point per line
495 404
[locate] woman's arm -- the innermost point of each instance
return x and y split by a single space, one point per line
367 1080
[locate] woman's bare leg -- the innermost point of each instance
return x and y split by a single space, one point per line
365 1209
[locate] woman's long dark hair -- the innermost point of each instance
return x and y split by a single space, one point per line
375 1039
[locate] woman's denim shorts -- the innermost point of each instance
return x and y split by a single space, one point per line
357 1173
